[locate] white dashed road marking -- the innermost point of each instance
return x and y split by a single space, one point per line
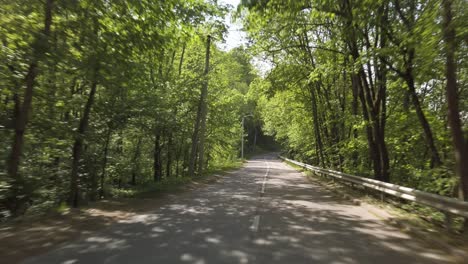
265 177
256 221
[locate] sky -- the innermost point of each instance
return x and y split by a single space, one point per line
235 36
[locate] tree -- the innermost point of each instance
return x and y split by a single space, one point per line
22 109
460 143
354 68
198 138
112 107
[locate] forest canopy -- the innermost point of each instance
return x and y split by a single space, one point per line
372 88
98 97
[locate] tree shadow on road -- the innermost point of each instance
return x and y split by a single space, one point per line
299 223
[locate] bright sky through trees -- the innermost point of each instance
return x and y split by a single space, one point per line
235 36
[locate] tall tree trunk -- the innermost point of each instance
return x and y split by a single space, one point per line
198 138
313 88
460 143
186 158
180 146
354 112
381 99
169 156
318 136
79 139
358 81
374 152
409 52
177 158
181 59
40 48
136 167
119 151
428 135
255 138
384 159
104 163
157 164
194 149
93 190
204 108
371 101
380 153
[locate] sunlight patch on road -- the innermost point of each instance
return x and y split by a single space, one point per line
203 230
143 218
261 241
158 230
98 239
192 259
213 240
241 257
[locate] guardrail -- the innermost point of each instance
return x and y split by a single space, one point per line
449 206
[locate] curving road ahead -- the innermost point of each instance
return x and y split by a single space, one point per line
265 212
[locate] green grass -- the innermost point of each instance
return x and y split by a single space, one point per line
223 167
165 185
172 184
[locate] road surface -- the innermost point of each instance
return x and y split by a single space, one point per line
265 212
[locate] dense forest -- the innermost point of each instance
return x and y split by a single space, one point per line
100 96
372 88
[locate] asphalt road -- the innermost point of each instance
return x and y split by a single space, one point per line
265 212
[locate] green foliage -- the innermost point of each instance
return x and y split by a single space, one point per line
351 86
146 59
306 100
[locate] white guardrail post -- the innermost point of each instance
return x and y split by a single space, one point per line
449 206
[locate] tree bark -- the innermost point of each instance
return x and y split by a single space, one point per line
372 99
181 59
178 157
408 76
40 48
136 168
79 139
318 136
198 138
460 143
409 79
104 163
204 109
157 163
381 98
374 152
169 156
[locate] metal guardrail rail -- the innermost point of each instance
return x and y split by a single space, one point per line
442 203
